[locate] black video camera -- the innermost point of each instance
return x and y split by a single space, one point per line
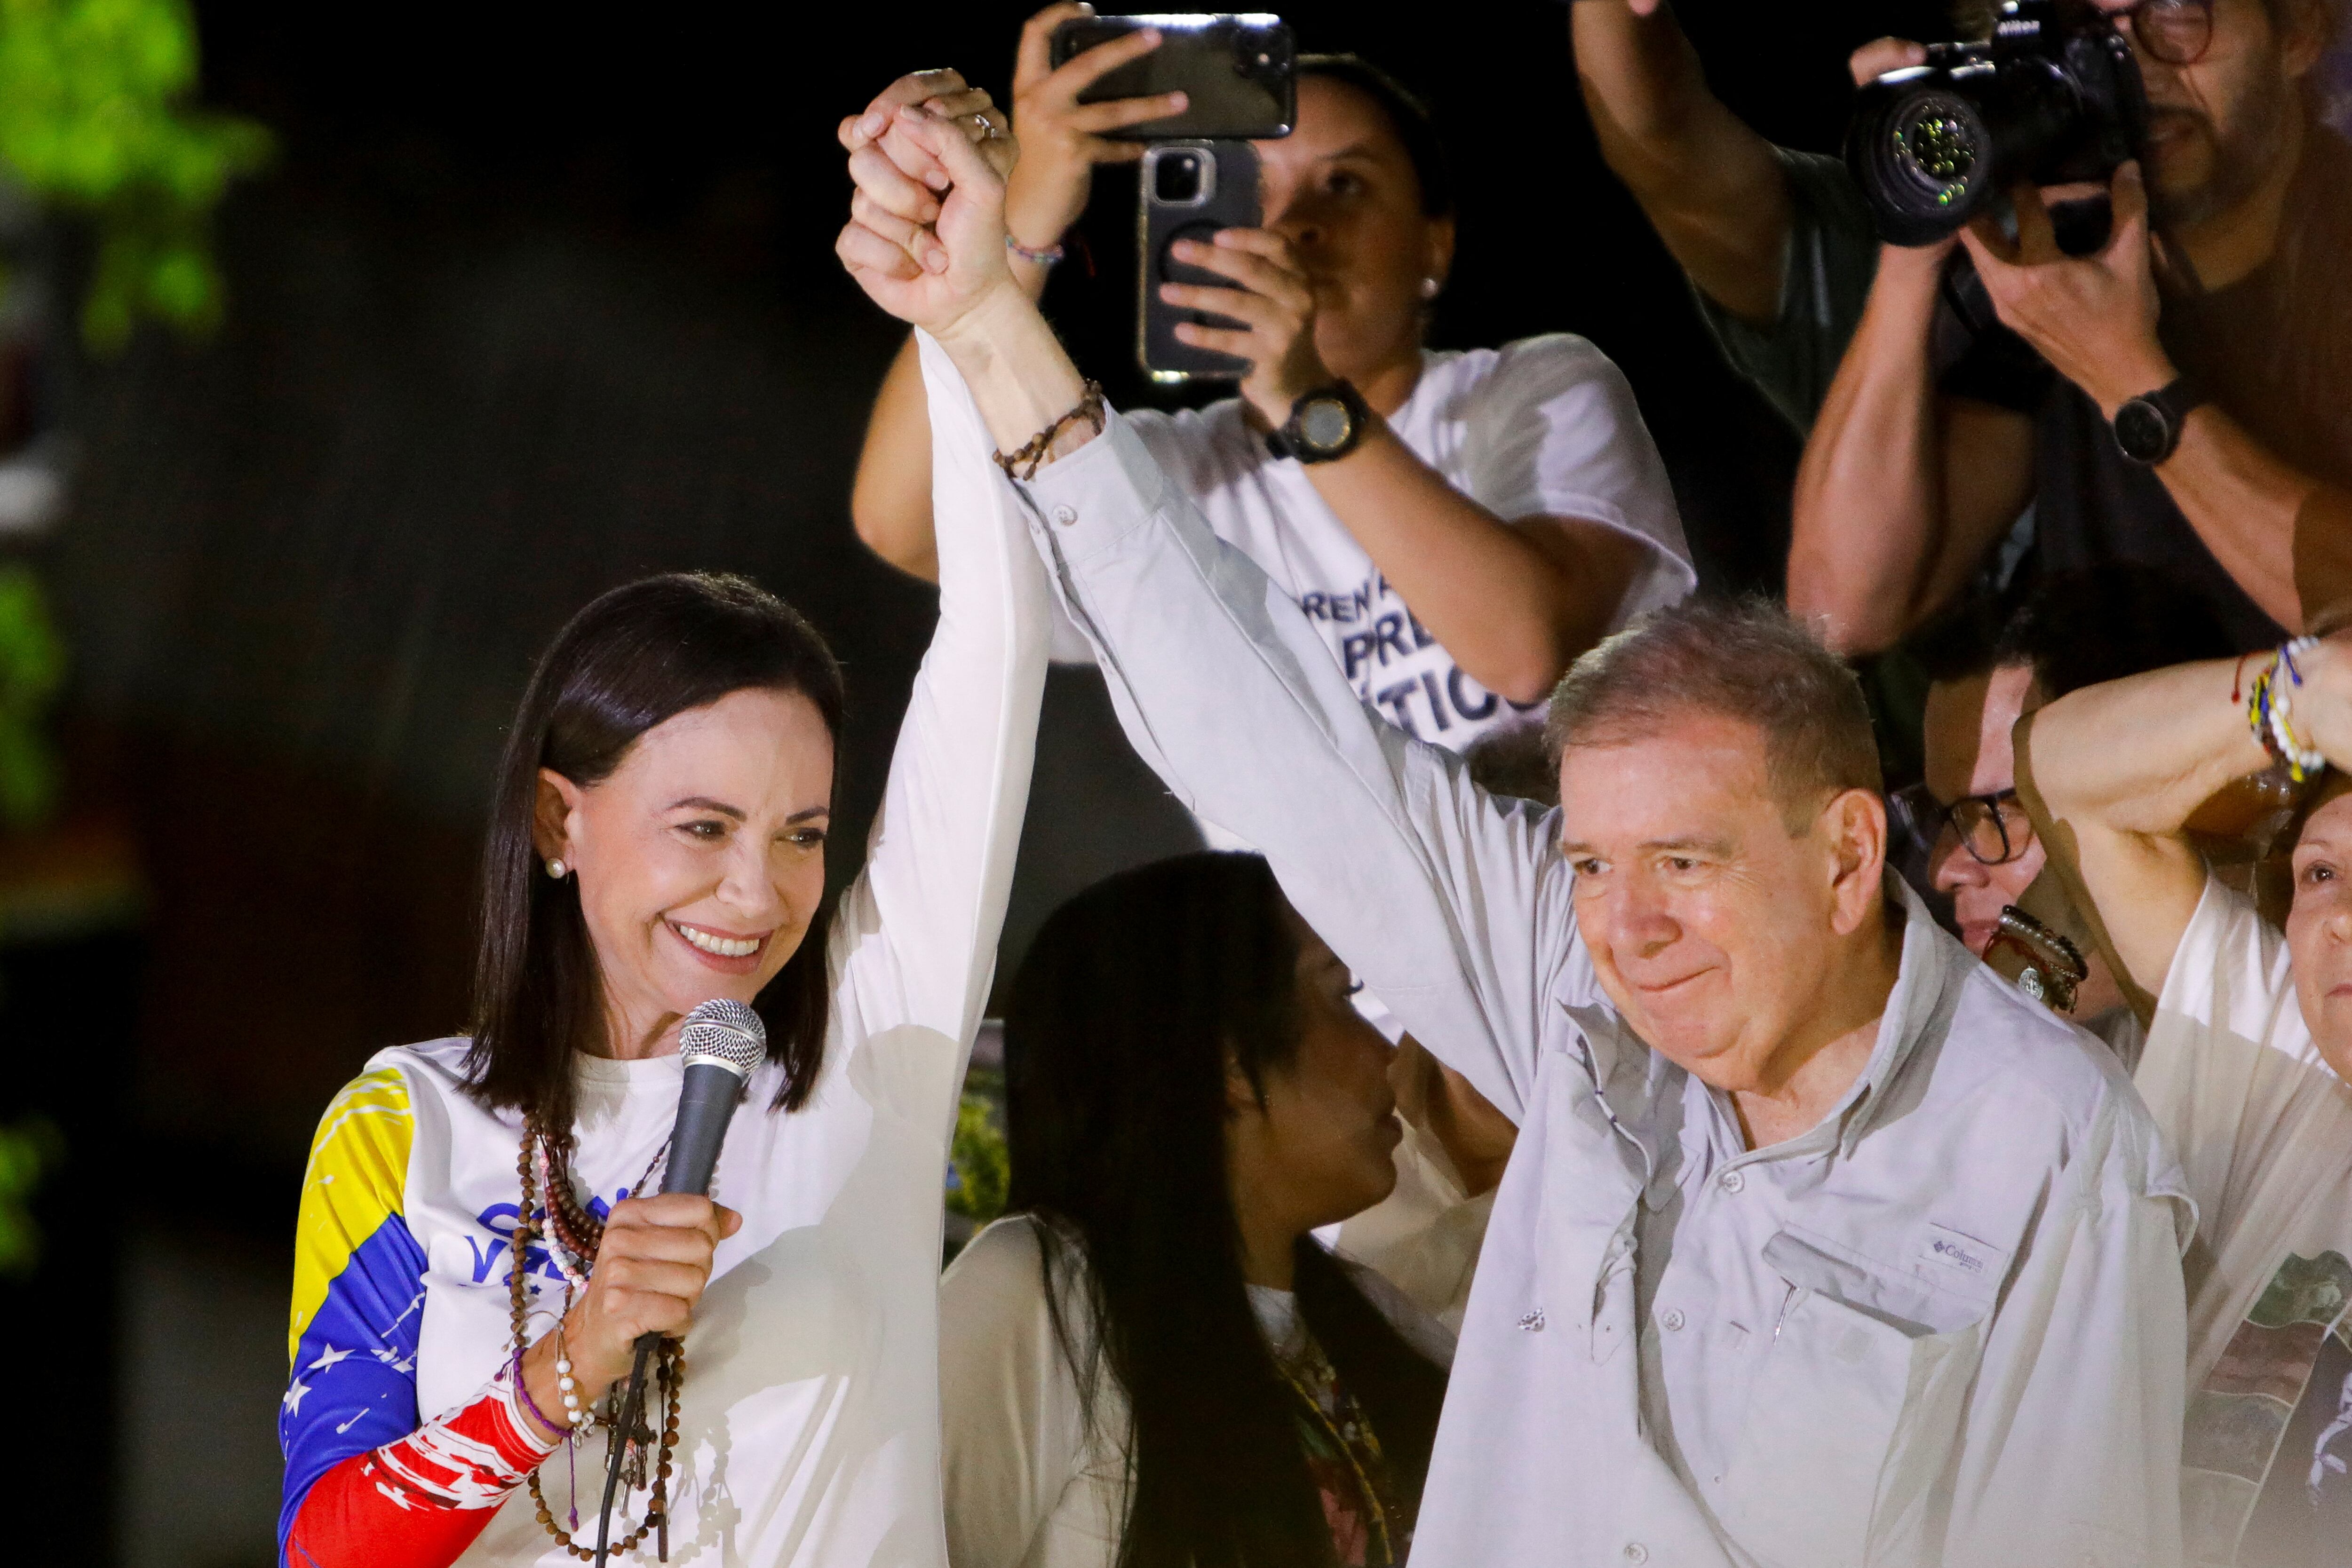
2052 98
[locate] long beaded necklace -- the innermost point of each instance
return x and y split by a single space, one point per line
573 1236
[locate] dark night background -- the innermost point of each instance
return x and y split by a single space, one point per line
532 303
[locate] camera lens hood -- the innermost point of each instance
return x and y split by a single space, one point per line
1923 153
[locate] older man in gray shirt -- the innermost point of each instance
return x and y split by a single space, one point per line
1821 1245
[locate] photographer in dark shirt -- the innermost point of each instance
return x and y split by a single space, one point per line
1922 459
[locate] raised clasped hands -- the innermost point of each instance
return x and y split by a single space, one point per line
925 240
2091 317
1273 300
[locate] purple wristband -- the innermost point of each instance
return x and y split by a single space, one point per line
1045 257
522 1390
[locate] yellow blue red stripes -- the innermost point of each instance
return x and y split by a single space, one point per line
357 1174
358 1292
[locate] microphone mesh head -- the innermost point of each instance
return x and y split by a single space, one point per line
726 1032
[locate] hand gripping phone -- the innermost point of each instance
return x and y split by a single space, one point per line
1189 190
1239 73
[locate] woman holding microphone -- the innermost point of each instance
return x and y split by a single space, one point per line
474 1259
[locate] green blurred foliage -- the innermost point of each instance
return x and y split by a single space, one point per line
26 1150
95 126
983 1168
32 667
93 123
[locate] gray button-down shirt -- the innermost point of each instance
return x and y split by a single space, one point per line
1944 1326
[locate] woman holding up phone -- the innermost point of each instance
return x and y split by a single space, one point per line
1459 525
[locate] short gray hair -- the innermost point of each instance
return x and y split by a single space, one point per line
1739 658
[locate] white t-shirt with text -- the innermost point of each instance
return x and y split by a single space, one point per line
1543 427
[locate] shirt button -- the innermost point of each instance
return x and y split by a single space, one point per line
1064 516
1732 1182
1636 1552
1675 1321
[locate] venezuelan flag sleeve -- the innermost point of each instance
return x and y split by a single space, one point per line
359 1291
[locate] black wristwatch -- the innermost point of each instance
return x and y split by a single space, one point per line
1324 424
2149 427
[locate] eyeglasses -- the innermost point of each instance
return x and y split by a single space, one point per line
2177 32
1993 829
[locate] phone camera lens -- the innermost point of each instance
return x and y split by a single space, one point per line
1176 178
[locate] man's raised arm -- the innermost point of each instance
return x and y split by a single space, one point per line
1451 907
1712 187
1448 903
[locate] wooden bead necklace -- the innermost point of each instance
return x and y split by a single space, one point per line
570 1229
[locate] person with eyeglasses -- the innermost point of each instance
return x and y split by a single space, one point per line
2179 398
1819 1244
1976 840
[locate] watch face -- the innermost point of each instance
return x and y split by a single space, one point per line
1324 423
2143 432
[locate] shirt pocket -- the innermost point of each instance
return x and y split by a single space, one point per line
1850 1422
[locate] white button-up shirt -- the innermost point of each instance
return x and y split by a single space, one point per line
1944 1326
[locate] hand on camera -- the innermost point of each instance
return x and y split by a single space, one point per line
1062 140
650 1272
1879 56
926 232
2091 317
1276 305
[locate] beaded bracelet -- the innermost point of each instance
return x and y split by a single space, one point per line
522 1392
2270 710
1033 453
2053 965
1048 256
576 1417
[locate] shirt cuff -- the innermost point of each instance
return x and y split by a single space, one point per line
1099 494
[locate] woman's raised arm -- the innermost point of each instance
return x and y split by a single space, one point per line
918 928
2112 773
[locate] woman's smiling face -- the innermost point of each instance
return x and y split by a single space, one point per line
700 859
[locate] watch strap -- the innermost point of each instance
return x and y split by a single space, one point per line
2182 396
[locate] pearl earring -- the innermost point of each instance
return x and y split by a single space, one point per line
1429 289
556 868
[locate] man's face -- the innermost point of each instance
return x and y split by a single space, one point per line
1969 752
2319 930
1710 923
2218 126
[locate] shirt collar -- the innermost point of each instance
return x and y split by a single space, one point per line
1924 973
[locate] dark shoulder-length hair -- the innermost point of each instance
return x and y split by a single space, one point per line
1122 1019
642 654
